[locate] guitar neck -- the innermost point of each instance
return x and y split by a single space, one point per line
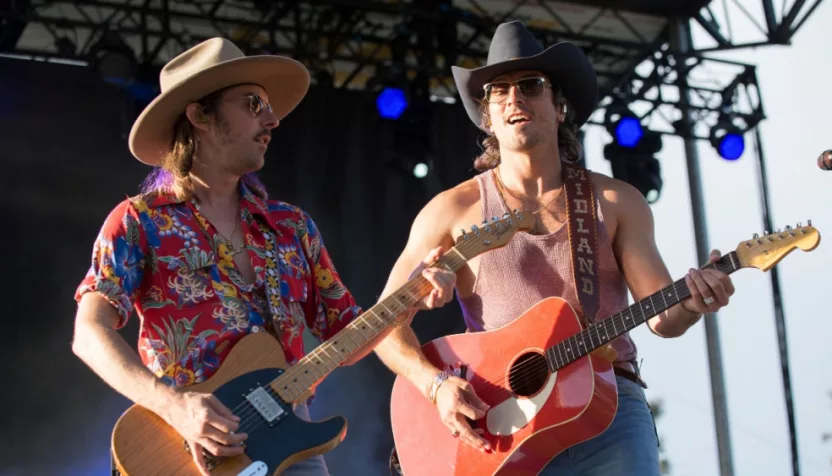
314 366
605 330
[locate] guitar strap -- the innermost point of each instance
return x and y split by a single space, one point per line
582 225
272 277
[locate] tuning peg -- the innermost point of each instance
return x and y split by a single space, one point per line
756 235
506 215
493 218
799 225
810 223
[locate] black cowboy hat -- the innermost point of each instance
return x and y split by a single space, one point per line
514 48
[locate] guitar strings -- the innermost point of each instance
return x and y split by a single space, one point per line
522 373
416 285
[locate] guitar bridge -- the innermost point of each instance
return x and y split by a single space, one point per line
211 461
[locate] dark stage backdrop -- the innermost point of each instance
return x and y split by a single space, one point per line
65 164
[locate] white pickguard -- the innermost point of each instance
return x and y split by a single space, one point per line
513 414
258 468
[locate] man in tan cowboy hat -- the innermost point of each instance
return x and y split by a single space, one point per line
204 256
530 101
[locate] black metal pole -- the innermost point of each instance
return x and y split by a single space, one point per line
779 317
681 40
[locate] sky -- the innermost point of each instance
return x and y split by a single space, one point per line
795 89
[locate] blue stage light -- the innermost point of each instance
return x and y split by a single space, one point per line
731 146
628 131
391 103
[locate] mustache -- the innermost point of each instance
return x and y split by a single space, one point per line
264 132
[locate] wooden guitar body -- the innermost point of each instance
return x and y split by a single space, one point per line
143 444
528 426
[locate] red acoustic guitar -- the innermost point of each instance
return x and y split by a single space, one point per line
546 391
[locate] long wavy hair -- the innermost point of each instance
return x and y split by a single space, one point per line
569 145
173 176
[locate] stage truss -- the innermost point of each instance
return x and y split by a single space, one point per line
366 44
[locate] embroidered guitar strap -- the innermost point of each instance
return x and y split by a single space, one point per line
582 226
272 276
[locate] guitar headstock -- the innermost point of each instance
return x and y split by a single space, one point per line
494 234
763 252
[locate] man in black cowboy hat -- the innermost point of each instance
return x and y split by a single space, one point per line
530 103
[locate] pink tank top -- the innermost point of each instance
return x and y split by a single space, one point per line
531 268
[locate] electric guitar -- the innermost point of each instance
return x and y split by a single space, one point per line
546 390
255 383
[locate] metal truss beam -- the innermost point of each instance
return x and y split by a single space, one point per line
360 44
770 26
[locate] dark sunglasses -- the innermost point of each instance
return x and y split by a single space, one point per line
256 104
530 88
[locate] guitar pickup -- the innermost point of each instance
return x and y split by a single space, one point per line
266 406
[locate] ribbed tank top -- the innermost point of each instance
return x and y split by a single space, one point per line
531 268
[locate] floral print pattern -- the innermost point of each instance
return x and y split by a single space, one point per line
163 259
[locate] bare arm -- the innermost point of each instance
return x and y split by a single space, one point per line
400 350
640 261
455 398
101 347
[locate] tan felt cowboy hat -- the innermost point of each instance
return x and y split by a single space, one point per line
514 48
208 67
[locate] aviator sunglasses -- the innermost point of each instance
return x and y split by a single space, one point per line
256 104
530 88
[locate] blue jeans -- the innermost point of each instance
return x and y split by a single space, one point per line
628 447
315 466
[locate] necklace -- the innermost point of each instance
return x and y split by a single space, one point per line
502 190
233 249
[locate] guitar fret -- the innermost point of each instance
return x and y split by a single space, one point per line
361 324
587 333
324 350
387 310
412 296
628 317
562 354
581 344
459 256
572 350
550 359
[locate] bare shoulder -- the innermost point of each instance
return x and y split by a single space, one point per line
452 206
616 191
621 203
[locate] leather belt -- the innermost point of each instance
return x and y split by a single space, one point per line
628 374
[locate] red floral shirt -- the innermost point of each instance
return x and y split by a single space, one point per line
161 257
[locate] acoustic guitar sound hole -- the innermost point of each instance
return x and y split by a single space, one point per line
528 374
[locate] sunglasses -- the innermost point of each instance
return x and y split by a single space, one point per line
530 88
256 104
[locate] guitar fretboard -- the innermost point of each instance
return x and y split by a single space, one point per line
325 358
605 330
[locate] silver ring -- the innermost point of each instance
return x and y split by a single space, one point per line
708 300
